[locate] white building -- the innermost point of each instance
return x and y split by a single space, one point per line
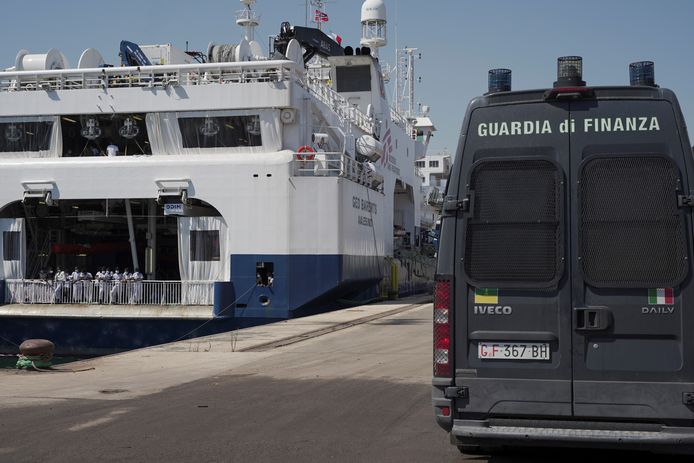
433 170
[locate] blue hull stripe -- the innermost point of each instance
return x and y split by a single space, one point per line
302 284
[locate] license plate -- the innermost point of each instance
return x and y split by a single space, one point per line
513 350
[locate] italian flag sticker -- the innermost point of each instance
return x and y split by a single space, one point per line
661 296
486 296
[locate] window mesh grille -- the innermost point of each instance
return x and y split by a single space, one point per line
631 231
514 235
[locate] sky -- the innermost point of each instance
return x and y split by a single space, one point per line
459 40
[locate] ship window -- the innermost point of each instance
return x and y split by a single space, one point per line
101 135
220 132
11 249
433 163
25 136
204 245
264 273
353 78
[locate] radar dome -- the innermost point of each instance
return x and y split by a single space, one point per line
373 10
373 25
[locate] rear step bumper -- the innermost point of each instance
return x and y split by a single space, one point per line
667 439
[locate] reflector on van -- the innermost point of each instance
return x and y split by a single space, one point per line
442 328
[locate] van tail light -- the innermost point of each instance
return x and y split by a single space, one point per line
442 328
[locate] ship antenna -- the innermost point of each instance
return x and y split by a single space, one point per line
247 19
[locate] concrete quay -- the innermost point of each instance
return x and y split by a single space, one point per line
150 370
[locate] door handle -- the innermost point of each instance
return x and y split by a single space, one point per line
592 318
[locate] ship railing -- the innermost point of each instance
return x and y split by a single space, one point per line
145 292
165 76
338 104
404 123
247 15
336 164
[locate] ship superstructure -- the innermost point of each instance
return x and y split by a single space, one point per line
243 182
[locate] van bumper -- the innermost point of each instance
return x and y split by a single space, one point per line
656 438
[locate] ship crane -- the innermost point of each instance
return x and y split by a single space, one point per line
314 41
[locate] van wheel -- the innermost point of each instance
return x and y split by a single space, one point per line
479 450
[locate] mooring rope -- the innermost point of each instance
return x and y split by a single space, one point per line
9 340
51 369
232 304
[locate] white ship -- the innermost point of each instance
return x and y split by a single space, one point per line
241 183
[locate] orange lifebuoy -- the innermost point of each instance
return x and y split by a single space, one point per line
305 153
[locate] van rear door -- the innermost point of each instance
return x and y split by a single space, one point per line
630 261
513 292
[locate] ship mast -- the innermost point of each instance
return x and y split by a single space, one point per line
405 80
319 14
247 19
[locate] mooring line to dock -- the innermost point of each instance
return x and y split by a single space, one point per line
331 329
231 304
10 341
60 370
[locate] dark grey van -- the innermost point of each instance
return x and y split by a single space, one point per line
564 293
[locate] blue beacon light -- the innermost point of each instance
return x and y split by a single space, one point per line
499 80
642 74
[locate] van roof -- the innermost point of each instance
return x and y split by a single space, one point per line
605 92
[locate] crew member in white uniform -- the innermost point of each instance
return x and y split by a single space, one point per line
102 281
115 289
59 285
87 286
74 280
136 279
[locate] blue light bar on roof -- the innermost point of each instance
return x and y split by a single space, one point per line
499 80
642 74
569 72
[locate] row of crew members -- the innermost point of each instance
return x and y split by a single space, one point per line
106 287
104 274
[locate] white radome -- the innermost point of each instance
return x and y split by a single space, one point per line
373 10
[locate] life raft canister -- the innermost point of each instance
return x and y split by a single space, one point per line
305 153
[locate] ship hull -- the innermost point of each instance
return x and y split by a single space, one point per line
92 336
306 284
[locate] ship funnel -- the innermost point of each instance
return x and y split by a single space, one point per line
642 74
499 80
569 72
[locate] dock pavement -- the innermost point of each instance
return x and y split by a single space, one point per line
147 371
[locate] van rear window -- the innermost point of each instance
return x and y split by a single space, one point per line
514 232
631 231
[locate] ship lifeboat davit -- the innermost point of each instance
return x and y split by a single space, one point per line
369 147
